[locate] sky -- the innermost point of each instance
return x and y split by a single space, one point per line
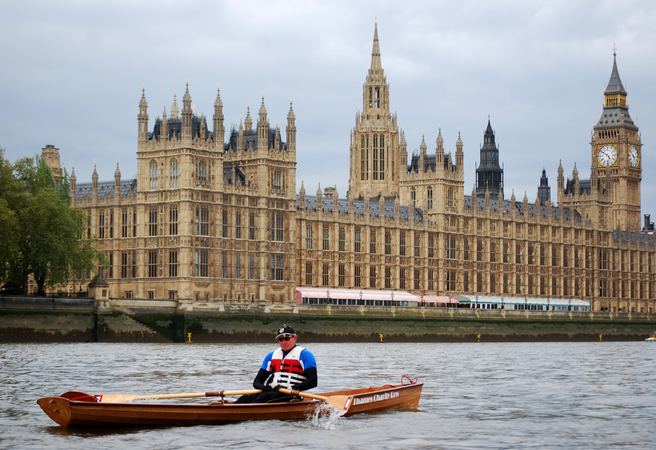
73 71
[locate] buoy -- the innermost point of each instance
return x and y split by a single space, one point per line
189 338
381 337
600 337
478 337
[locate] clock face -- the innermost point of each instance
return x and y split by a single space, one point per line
607 155
634 158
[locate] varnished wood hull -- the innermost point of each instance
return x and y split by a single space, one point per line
71 413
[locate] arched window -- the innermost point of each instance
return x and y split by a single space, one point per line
153 175
174 174
430 198
382 157
202 171
413 196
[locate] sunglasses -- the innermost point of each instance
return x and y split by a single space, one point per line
284 337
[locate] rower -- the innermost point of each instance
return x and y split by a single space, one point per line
289 366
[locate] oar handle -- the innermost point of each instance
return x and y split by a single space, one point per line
296 393
122 398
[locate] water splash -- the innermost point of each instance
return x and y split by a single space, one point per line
325 417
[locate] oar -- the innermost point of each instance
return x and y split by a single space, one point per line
336 401
126 398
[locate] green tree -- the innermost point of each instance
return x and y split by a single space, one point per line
48 231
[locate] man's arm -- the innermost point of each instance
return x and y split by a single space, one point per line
311 382
260 378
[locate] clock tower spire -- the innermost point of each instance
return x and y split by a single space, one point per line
616 154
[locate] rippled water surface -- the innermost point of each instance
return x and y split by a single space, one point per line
484 395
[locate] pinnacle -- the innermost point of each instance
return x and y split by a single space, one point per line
375 51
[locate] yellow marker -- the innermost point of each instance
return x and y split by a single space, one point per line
478 338
189 338
600 337
381 337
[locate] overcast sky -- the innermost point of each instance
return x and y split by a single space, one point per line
72 74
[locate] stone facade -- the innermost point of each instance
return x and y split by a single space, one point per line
216 220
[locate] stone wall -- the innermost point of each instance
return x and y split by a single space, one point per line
27 319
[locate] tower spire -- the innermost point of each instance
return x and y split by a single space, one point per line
375 51
615 83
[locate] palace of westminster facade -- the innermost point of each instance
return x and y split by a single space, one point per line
214 221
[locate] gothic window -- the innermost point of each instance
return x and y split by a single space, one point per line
401 278
251 226
276 180
308 273
413 196
124 223
325 274
238 265
276 267
202 172
370 97
388 278
431 245
101 225
451 280
341 274
111 224
431 280
224 224
152 263
238 225
308 237
358 240
174 174
225 269
450 201
251 267
278 227
173 221
372 276
363 161
417 251
342 239
152 222
388 243
382 157
326 238
375 156
416 279
430 198
402 243
377 97
358 275
173 263
200 263
153 175
372 241
202 221
124 264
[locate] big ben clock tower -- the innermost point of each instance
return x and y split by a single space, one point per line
616 156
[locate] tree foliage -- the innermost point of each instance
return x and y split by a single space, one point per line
42 232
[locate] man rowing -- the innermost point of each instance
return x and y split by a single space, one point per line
290 366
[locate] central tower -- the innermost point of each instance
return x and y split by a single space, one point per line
374 149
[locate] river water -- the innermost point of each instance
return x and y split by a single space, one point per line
478 395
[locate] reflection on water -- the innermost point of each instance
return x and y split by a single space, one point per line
486 395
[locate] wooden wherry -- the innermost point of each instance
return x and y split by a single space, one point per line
74 409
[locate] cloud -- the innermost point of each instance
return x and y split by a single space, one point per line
74 70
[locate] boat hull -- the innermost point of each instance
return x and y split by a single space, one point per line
73 413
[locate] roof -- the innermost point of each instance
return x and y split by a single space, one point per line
533 209
374 207
106 189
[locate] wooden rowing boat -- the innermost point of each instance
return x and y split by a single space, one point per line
75 409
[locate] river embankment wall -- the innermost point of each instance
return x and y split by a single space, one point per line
32 319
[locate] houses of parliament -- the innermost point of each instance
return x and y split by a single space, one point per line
216 218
